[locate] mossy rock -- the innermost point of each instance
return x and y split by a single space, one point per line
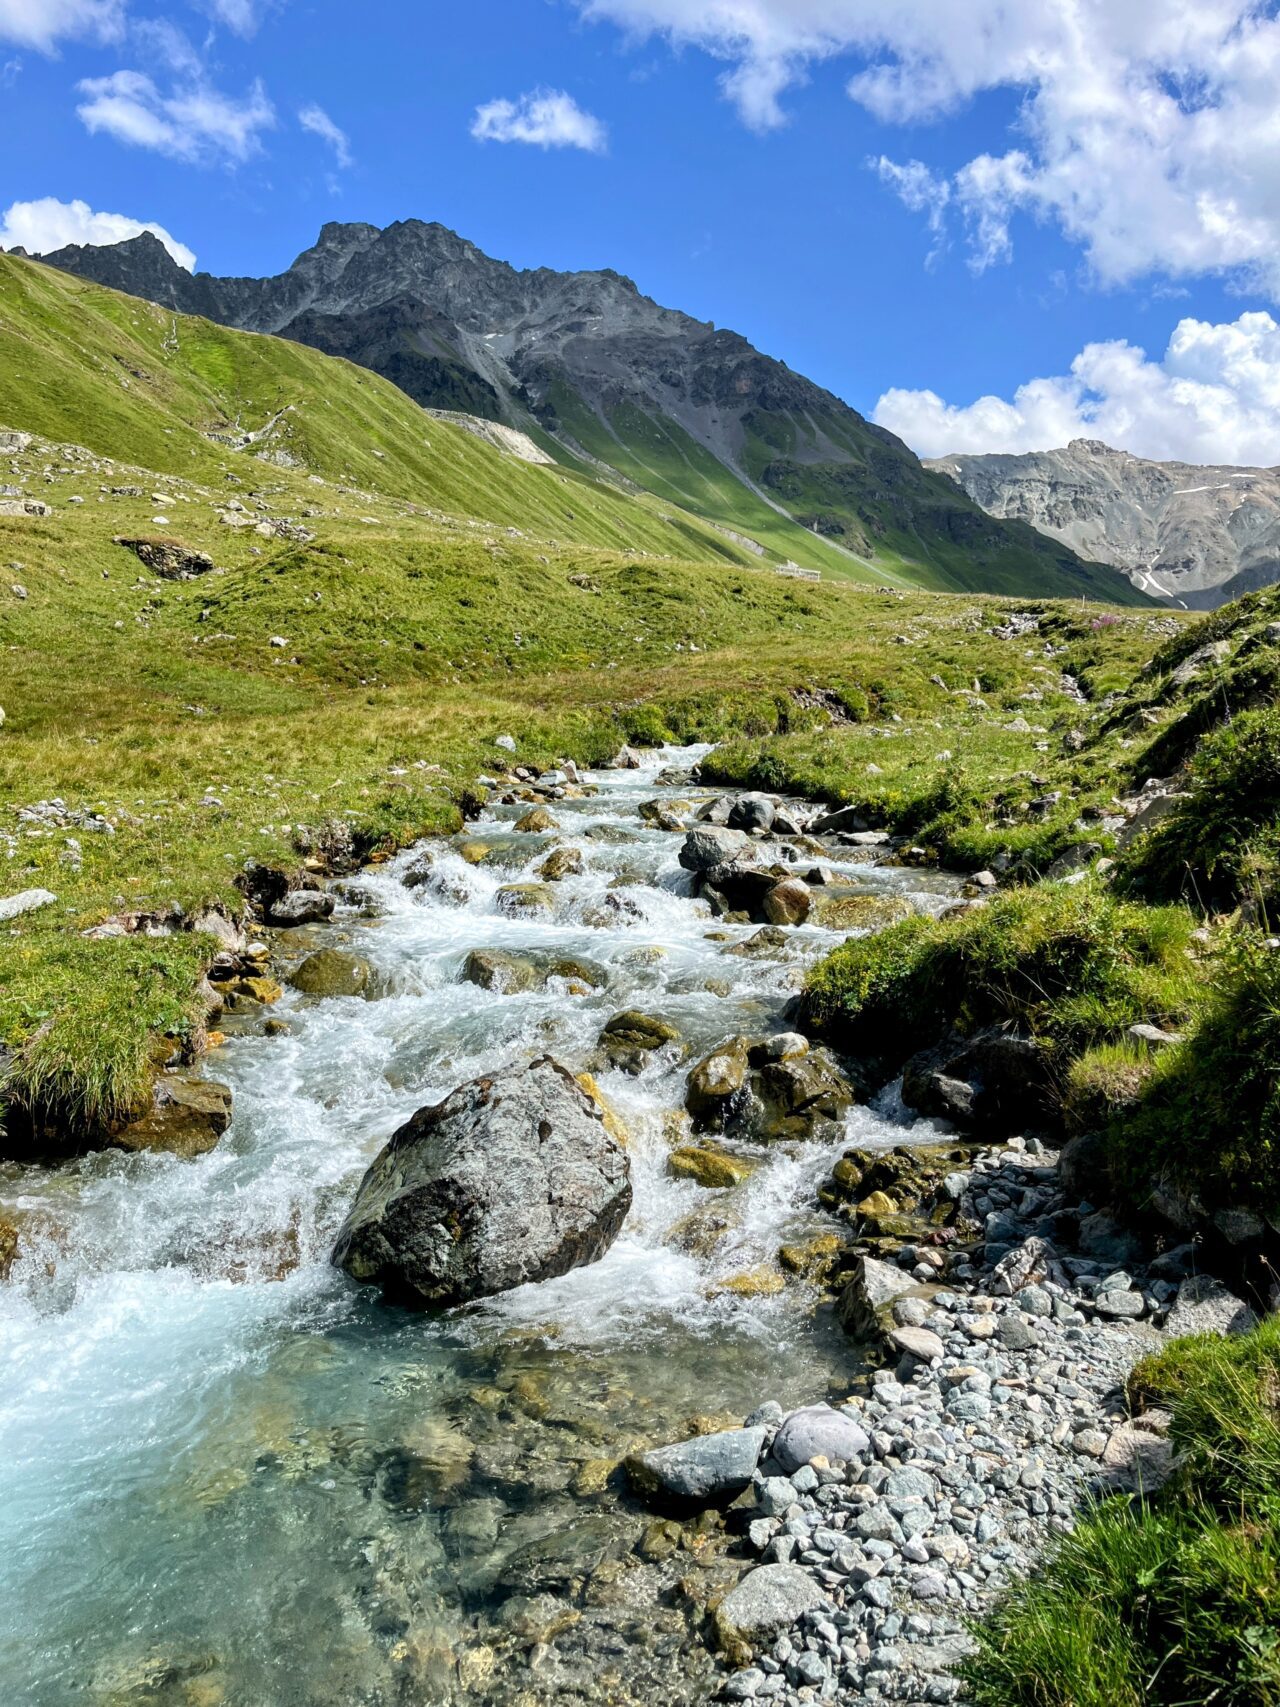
537 822
837 911
711 1168
717 1082
525 898
762 1282
332 972
186 1117
10 1244
559 864
701 1233
817 1260
495 969
259 990
578 971
474 853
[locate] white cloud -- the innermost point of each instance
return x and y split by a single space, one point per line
239 16
43 23
194 122
318 122
1214 396
1148 130
42 226
546 118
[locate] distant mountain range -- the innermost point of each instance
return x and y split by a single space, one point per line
1195 535
603 378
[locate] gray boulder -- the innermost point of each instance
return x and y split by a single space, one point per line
709 845
26 901
751 812
817 1430
766 1602
702 1471
300 907
843 818
1205 1306
512 1178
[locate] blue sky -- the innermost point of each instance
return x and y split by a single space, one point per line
930 210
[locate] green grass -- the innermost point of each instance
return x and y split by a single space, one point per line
1209 1118
1221 845
1069 965
1173 1601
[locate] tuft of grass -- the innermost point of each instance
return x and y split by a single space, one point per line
1069 964
1209 1119
1221 845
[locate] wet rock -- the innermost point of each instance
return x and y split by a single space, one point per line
705 1230
471 853
626 759
512 1178
717 1083
751 812
766 941
525 898
631 1038
998 1081
709 846
707 1470
567 1556
713 1169
716 811
843 818
300 907
186 1118
872 1285
495 969
332 972
763 1281
817 1260
788 902
536 822
559 864
818 1431
575 971
767 1601
800 1094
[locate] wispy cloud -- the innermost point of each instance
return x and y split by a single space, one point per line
318 122
194 122
42 226
42 24
544 118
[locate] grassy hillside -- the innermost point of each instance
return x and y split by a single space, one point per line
177 395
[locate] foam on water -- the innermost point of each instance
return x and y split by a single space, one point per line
198 1413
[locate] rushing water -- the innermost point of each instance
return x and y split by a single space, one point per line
229 1477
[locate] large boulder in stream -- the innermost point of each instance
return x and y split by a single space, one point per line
513 1177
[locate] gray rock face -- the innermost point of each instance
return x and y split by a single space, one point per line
300 907
767 1601
710 845
1205 1306
702 1471
817 1430
1198 535
510 1179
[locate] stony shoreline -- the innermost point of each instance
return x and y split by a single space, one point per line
1004 1415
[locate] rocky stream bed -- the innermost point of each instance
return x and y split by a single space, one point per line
232 1476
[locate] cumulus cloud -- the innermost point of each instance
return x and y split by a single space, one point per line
193 122
1148 131
42 226
1214 396
544 118
318 122
43 23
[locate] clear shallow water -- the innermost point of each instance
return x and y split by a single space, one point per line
231 1478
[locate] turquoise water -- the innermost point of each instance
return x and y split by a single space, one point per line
231 1478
